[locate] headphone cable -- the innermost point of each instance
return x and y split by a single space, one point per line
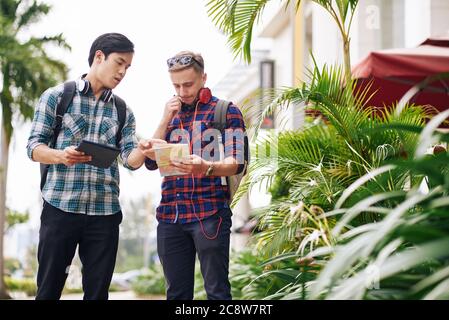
193 182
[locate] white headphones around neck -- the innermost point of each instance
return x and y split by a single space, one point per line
84 87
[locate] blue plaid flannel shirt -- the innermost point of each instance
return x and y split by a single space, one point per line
82 188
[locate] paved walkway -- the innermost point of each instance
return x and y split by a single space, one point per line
121 295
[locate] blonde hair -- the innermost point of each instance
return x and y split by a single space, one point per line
195 65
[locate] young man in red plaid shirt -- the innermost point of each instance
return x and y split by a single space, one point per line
194 215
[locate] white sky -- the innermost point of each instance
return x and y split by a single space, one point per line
159 29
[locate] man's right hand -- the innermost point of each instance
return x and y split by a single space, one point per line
146 147
69 156
172 107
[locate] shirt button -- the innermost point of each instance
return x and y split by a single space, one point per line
177 194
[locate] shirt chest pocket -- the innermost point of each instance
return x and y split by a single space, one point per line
75 128
108 131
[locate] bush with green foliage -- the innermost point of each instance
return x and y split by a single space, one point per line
21 285
152 283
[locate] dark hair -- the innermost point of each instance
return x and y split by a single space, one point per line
109 43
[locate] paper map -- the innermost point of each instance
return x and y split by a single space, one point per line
167 152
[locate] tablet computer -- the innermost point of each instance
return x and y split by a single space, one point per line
102 155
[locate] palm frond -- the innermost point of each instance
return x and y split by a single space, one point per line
26 68
32 14
236 18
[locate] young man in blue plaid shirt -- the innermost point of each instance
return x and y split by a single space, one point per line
81 205
194 215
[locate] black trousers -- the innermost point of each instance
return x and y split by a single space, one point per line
177 246
59 235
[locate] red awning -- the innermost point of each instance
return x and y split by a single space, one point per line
393 72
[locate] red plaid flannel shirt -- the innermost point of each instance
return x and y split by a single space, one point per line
186 199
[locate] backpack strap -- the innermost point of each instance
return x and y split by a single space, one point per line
120 105
221 110
61 109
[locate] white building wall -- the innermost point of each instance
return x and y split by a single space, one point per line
282 54
439 18
397 17
382 24
417 22
19 240
326 40
378 24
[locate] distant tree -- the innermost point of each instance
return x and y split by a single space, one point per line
13 218
134 232
25 72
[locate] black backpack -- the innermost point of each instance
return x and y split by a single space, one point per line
221 110
61 109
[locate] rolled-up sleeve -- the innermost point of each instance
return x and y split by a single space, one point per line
43 121
129 140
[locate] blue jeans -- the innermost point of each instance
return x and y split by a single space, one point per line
177 246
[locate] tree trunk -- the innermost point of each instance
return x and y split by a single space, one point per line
347 59
4 152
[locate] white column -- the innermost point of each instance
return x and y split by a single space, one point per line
366 30
378 24
417 22
241 214
327 45
439 12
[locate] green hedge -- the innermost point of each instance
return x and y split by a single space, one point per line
152 282
26 285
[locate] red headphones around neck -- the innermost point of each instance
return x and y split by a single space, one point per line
204 95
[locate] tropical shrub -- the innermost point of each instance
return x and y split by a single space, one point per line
153 282
404 255
26 285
